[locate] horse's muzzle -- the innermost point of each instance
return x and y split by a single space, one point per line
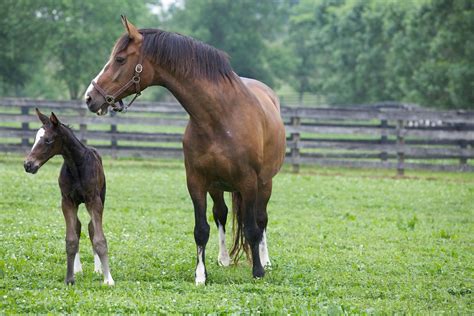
30 167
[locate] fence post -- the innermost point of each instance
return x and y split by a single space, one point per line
25 127
383 139
463 145
113 138
82 127
400 148
295 150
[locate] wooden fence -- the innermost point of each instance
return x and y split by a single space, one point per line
378 136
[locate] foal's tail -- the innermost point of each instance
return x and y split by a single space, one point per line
240 244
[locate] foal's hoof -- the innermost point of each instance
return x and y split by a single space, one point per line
109 282
258 272
70 281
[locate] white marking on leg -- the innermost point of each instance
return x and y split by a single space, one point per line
91 87
200 268
223 259
77 264
263 250
39 135
108 280
97 264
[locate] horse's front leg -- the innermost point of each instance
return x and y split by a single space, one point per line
197 190
72 240
95 209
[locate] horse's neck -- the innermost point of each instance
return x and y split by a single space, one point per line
73 151
203 100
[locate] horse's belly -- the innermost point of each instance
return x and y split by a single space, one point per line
223 186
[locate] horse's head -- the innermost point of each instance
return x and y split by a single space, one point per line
122 75
48 142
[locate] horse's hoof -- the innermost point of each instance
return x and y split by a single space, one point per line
200 282
70 281
224 261
258 273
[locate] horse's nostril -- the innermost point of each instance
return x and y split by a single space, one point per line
88 99
27 165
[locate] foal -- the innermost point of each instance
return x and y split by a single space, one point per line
81 180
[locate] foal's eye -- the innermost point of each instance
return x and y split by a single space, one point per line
120 60
48 141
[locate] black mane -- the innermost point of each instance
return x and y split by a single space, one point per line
181 55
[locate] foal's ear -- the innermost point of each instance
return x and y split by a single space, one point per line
54 120
43 118
131 30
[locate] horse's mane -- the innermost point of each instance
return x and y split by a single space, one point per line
181 55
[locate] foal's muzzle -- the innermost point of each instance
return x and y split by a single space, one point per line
30 167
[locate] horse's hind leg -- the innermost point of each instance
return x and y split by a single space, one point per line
264 193
77 260
252 232
220 211
97 264
95 209
72 240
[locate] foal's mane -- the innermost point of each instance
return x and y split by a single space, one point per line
182 55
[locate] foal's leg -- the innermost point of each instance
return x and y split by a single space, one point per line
77 260
264 193
253 233
197 190
72 240
97 264
220 217
95 209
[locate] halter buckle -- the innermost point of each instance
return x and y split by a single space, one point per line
138 68
110 99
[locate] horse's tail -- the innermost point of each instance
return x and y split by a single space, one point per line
240 244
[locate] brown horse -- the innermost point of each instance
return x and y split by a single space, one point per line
235 138
81 180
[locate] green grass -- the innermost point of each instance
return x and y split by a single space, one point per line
340 240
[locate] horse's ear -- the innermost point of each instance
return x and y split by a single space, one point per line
131 30
54 120
43 118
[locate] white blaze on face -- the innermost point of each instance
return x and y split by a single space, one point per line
39 135
91 87
263 251
200 269
223 259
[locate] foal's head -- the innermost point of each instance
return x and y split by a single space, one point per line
48 143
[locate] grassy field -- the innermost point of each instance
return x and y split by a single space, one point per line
341 241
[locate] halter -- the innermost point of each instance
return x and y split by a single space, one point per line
110 98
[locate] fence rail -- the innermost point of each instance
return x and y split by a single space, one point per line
378 136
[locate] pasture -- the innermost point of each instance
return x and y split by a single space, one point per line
340 241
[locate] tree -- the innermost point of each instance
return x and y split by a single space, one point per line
21 38
83 33
240 28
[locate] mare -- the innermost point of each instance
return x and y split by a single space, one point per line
234 141
81 180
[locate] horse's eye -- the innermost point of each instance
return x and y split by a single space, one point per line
120 60
48 141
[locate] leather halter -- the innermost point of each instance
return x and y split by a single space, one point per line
110 98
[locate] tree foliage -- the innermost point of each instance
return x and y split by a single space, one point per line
347 51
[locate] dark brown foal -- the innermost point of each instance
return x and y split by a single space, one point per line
81 180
